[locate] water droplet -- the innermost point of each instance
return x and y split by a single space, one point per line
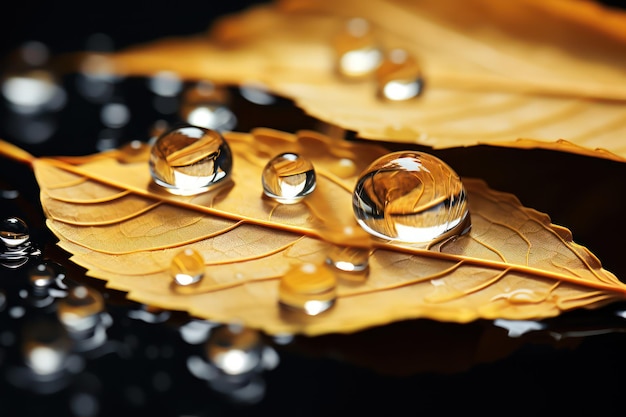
45 346
348 259
14 232
399 77
80 310
235 350
288 178
41 276
190 159
412 197
187 267
308 288
358 53
206 105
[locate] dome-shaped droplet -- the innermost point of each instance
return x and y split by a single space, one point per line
399 77
410 197
190 159
288 178
187 267
358 53
14 232
308 288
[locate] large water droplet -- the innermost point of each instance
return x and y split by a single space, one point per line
357 51
411 197
308 288
190 159
187 267
399 77
14 232
288 178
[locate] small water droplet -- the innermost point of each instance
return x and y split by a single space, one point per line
357 51
207 105
235 350
187 267
399 77
14 232
45 346
41 276
348 259
411 197
80 310
308 288
190 159
288 178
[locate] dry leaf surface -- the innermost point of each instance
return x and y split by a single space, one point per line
105 211
528 74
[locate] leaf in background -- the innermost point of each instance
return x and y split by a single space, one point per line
105 211
528 74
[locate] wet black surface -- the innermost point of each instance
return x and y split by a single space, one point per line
572 364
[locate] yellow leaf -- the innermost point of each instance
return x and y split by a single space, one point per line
512 264
525 74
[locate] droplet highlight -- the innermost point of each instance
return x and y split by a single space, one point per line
288 178
187 267
308 288
189 160
411 197
399 77
14 232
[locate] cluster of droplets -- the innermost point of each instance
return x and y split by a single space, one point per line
407 197
360 56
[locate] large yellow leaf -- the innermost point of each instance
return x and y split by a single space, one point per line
105 211
524 73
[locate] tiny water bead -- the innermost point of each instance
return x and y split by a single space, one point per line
14 232
288 178
189 160
412 197
348 259
308 288
187 267
399 77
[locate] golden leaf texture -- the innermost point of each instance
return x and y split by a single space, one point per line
522 74
116 223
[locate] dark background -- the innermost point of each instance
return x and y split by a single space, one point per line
575 367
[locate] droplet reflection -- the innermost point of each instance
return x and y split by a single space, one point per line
14 232
190 159
288 178
410 197
187 267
